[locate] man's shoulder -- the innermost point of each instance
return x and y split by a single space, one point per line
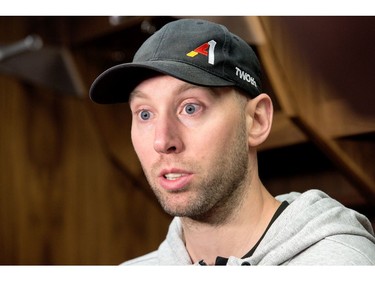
343 249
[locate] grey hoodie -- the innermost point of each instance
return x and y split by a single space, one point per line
313 230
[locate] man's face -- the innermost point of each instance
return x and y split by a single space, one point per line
191 142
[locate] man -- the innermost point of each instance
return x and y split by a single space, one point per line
199 115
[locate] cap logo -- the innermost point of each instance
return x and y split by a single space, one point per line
202 49
246 77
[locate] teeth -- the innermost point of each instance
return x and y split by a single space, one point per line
172 176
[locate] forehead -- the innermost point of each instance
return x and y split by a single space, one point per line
163 84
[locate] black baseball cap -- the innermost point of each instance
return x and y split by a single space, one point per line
196 51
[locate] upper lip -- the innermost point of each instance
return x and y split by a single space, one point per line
173 171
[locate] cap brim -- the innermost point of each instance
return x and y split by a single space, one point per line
115 84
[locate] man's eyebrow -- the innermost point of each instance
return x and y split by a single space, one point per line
184 87
181 89
188 86
134 94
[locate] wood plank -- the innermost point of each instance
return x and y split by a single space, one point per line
283 133
346 164
61 199
290 98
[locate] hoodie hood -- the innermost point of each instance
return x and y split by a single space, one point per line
310 218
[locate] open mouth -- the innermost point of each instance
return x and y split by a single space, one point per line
175 180
173 176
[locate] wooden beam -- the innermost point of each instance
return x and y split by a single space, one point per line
364 184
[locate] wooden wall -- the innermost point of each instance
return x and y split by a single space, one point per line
63 199
320 69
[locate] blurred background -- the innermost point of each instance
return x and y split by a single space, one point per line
72 191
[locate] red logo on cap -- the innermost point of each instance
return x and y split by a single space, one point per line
202 49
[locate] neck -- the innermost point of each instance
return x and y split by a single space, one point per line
238 232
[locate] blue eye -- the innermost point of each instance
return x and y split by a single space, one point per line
190 108
145 115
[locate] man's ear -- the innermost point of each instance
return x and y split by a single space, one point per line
259 116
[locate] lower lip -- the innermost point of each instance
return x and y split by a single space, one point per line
175 185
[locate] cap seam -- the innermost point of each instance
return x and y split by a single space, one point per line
224 51
159 43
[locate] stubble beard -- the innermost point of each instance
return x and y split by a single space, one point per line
221 191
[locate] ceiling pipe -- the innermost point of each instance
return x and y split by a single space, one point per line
30 43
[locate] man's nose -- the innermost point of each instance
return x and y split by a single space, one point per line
167 136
